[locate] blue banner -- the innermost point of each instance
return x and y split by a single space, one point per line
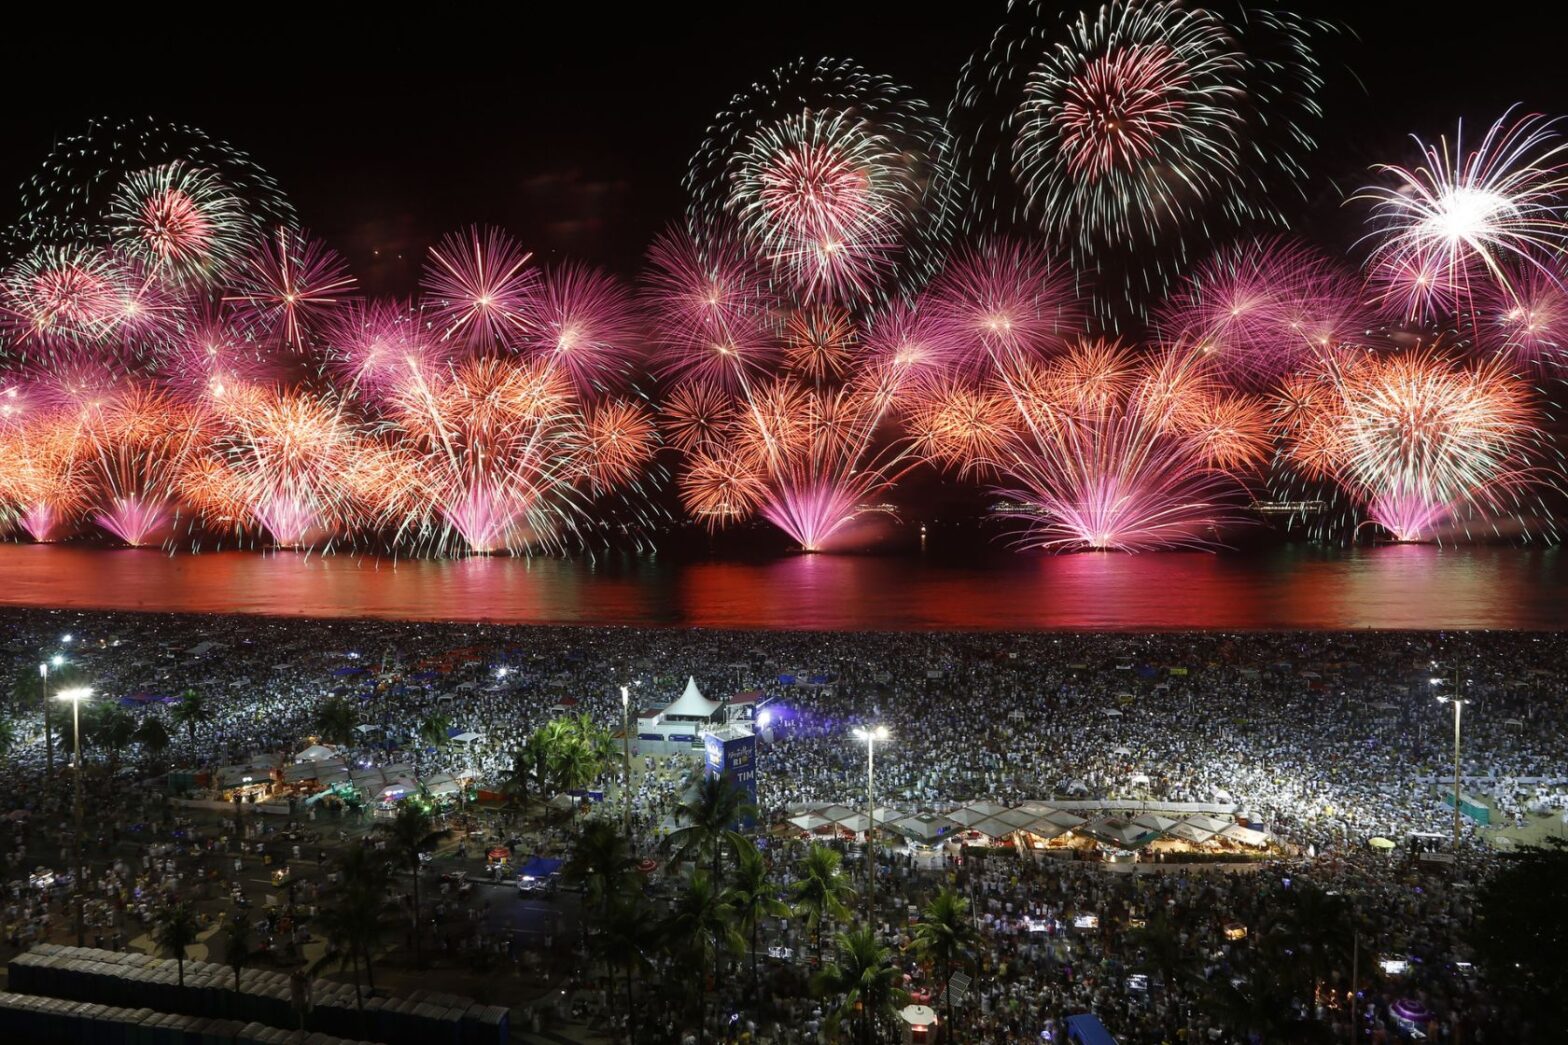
734 759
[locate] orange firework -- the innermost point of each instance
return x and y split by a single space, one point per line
818 342
621 441
963 427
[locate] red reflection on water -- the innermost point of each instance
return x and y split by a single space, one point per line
1403 586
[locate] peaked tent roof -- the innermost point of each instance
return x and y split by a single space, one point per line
692 704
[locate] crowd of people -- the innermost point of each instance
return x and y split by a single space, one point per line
1325 739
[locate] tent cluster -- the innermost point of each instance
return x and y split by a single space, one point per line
1033 823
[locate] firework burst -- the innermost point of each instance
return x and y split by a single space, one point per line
285 285
838 179
1421 441
1138 129
1464 215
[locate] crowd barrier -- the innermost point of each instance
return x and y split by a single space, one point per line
135 980
30 1018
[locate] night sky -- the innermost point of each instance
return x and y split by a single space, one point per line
573 128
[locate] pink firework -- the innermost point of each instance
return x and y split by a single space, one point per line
479 288
286 284
910 350
1528 322
209 362
1259 310
70 293
710 310
1005 304
378 345
1415 286
585 322
135 451
1116 481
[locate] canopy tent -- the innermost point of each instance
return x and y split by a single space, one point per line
315 753
539 867
809 821
1155 822
691 703
1121 750
467 738
922 827
1005 823
1120 833
1245 835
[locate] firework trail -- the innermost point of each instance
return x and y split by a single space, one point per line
479 288
840 181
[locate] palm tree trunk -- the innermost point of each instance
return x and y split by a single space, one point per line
631 1009
359 1001
754 928
370 972
179 964
947 999
417 962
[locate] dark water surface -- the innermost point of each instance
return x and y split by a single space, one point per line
1291 587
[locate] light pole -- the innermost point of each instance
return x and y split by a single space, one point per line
1458 701
76 695
43 672
871 736
626 760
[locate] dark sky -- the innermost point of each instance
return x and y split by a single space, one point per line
573 127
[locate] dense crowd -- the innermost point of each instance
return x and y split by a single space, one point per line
1326 739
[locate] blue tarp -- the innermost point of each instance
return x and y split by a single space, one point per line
340 672
1086 1029
786 680
539 867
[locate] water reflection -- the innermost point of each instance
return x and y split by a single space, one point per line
1296 587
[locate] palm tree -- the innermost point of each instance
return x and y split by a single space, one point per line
352 925
152 736
193 710
1162 947
175 931
365 874
601 862
699 929
627 931
1316 928
236 945
822 892
517 782
710 816
751 898
434 732
336 720
111 729
946 938
866 978
411 834
1256 1001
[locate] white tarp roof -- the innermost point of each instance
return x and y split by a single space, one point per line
1245 835
692 704
467 738
1155 822
315 753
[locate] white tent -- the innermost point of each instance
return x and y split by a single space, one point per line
809 821
691 704
467 738
1155 822
1245 835
315 753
